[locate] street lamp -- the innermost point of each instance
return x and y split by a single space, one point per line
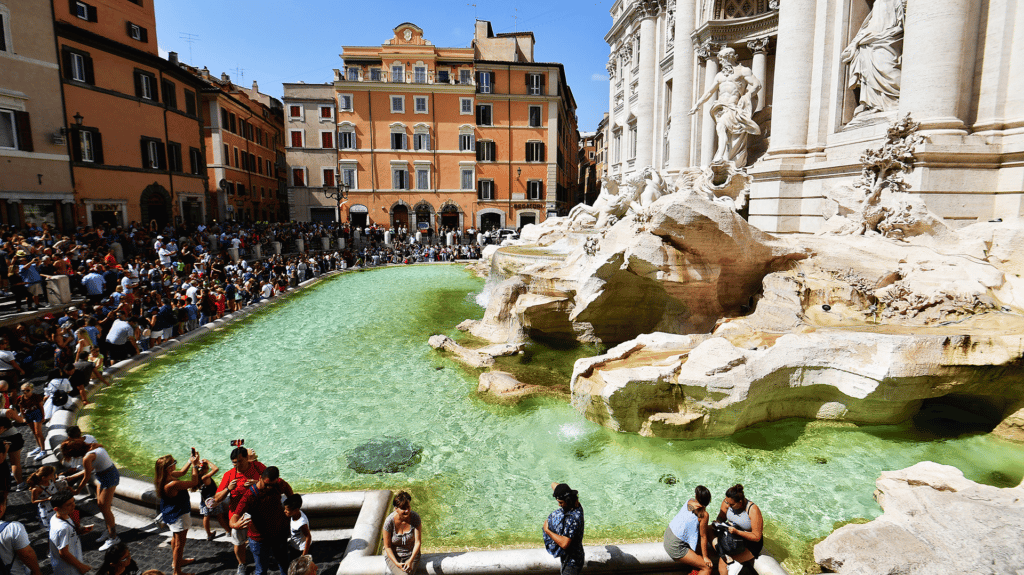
337 193
78 123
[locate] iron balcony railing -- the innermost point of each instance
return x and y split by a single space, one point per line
353 74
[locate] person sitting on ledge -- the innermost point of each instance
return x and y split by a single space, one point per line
747 523
686 538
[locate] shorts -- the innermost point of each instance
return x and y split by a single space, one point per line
33 415
184 523
239 536
109 477
35 289
675 547
166 333
15 441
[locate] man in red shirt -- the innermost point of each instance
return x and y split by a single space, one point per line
260 512
235 481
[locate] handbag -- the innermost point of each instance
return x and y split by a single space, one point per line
728 544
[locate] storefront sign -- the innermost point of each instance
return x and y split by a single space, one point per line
528 206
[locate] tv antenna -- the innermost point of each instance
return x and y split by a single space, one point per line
190 39
474 10
515 17
240 72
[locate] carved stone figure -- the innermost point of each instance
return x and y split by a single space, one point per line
736 86
874 57
609 206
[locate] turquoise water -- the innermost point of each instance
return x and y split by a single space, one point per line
346 362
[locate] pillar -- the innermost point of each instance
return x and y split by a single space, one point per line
793 73
647 11
276 247
300 246
709 53
682 89
939 45
759 66
233 254
257 252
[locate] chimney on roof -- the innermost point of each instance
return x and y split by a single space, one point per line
224 77
206 72
255 86
172 57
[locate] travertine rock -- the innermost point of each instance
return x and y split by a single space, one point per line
483 357
504 386
936 522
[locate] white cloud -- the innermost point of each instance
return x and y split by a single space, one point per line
598 78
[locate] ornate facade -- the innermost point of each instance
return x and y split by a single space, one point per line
845 69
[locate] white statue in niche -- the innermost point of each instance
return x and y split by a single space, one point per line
874 56
733 111
408 34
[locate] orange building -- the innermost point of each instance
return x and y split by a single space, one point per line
433 138
136 144
244 150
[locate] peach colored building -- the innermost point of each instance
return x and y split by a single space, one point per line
35 178
244 150
432 138
137 153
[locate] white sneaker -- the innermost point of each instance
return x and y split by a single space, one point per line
110 543
240 570
103 536
34 452
41 456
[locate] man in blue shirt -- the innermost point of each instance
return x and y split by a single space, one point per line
94 284
563 530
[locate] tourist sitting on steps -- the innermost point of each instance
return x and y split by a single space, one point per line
746 523
687 535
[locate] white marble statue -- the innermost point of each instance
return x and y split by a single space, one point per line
736 86
874 56
609 206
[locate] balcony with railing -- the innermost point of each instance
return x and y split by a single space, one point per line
419 76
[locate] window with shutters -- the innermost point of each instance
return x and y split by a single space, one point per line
299 177
84 11
420 103
422 178
170 94
421 140
347 137
399 178
352 73
77 66
467 178
466 142
398 73
345 102
326 113
195 161
295 112
237 164
485 82
136 32
535 115
534 151
465 76
154 154
535 84
174 157
375 75
87 146
8 130
327 140
348 174
145 84
5 30
420 74
534 190
483 115
397 104
398 141
328 177
296 138
485 190
190 102
485 151
465 106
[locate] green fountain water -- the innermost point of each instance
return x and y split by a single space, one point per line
346 362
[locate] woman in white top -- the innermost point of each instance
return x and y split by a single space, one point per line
96 461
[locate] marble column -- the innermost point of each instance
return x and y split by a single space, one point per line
939 45
647 11
759 66
793 74
709 53
682 88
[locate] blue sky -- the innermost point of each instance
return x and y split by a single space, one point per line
299 40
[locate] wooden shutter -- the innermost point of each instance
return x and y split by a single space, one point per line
65 58
76 144
97 147
92 14
161 155
145 34
146 164
3 37
540 152
89 78
73 7
138 85
24 129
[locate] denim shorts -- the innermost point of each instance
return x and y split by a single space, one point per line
109 477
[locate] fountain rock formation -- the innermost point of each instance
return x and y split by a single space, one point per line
935 521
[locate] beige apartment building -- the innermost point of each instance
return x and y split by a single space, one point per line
35 174
309 132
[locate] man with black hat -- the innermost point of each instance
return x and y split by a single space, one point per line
563 530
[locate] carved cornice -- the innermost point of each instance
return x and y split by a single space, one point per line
612 65
738 31
759 45
648 9
774 4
